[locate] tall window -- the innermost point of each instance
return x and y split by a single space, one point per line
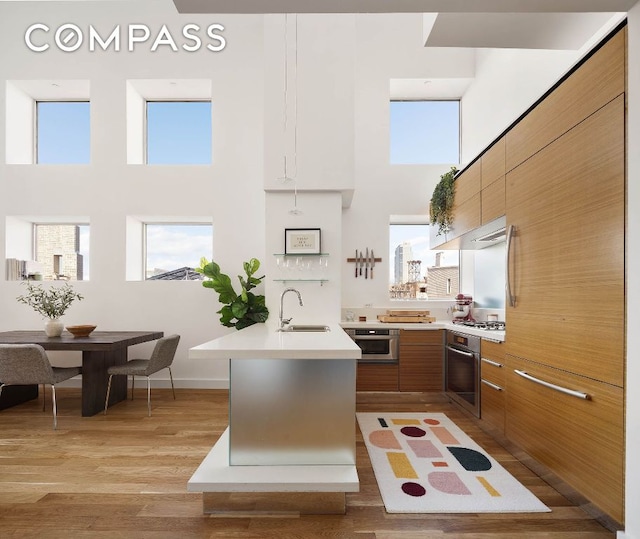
424 132
417 272
63 132
179 133
62 251
172 250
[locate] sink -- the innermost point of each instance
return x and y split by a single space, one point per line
307 327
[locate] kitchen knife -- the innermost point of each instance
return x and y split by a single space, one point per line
356 263
366 265
361 263
373 262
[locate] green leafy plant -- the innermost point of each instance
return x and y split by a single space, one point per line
441 208
240 310
51 303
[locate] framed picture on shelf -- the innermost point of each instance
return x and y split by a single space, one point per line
302 241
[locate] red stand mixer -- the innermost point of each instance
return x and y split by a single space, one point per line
461 311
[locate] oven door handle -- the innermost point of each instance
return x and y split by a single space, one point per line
374 337
461 352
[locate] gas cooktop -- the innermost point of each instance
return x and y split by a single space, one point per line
489 325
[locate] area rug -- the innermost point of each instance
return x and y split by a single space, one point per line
424 463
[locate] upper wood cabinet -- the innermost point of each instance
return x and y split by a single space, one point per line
594 84
492 196
466 205
493 163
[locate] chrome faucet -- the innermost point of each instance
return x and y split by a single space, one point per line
285 321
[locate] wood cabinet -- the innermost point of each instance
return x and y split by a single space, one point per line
421 360
565 199
594 84
493 163
493 384
580 439
466 203
376 377
492 200
566 264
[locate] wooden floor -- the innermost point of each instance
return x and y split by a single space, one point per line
125 475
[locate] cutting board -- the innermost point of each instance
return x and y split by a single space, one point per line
406 317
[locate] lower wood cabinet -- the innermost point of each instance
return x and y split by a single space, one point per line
493 385
421 360
377 377
580 439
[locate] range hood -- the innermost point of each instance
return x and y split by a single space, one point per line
489 234
485 236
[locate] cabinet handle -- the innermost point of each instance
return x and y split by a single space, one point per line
492 386
494 363
511 299
561 389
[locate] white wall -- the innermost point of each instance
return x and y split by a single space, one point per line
108 190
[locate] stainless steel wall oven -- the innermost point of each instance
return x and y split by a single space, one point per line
377 345
462 370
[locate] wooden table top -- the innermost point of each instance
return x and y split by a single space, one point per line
97 340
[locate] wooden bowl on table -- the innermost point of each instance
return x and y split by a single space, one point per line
81 331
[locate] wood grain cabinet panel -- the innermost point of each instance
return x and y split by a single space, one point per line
421 360
581 440
594 84
466 216
493 163
376 377
493 200
566 266
493 385
468 183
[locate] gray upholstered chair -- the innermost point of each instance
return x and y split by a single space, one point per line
161 358
26 364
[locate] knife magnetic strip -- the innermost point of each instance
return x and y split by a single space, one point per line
367 262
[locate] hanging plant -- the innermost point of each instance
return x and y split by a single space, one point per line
441 208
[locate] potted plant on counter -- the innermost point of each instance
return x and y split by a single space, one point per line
441 207
51 303
240 310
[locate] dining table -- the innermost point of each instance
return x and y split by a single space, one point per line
100 350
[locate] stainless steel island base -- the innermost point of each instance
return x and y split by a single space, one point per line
292 411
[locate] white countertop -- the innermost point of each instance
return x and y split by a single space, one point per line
264 341
492 335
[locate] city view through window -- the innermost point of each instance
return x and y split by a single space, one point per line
416 272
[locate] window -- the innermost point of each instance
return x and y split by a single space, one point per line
179 132
63 132
424 132
173 250
62 251
417 272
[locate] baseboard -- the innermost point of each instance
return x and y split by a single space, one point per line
162 383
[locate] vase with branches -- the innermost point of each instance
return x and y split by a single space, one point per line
51 303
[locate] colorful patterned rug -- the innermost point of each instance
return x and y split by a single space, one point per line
424 463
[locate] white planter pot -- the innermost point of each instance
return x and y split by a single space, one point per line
53 327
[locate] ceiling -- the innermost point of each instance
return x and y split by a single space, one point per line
524 24
401 6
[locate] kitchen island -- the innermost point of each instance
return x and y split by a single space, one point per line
290 444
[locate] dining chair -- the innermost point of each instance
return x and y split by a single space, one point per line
27 364
161 358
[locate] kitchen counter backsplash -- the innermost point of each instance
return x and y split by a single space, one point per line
442 314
